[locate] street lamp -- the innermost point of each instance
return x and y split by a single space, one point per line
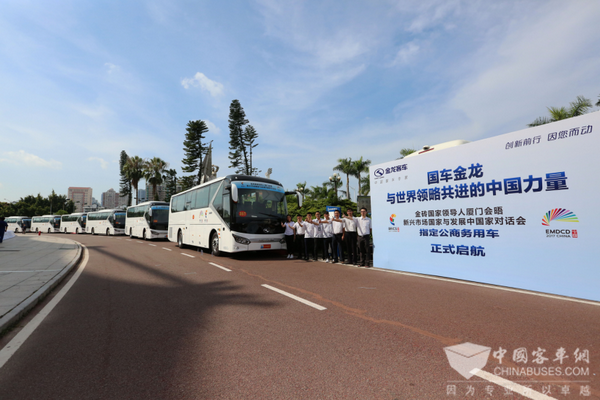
335 179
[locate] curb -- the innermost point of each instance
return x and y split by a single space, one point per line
14 315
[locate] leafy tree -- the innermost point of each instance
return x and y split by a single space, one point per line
360 166
37 205
186 182
346 166
598 102
237 149
365 187
580 106
153 173
406 151
170 177
249 139
134 170
312 206
124 183
194 148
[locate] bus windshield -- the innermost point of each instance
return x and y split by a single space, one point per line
159 219
119 220
26 223
56 222
259 211
83 220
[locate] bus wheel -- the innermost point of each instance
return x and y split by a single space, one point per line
36 230
107 232
144 235
214 244
93 231
131 233
76 231
48 230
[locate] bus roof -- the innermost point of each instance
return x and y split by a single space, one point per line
151 203
107 210
233 178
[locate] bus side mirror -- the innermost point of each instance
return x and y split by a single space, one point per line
300 199
234 193
150 212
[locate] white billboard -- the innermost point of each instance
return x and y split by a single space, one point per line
515 210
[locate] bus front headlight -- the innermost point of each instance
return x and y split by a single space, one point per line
241 240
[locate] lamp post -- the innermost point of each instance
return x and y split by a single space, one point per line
335 179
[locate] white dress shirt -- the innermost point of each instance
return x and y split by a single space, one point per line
300 229
363 226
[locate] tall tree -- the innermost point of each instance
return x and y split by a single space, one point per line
580 106
346 166
134 170
250 136
360 166
153 172
170 177
365 185
124 183
238 154
194 148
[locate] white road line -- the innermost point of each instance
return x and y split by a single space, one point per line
300 299
11 348
164 248
129 240
153 245
187 255
137 241
488 286
218 266
512 386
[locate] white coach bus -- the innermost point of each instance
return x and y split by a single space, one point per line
19 224
46 223
231 214
106 222
148 220
73 223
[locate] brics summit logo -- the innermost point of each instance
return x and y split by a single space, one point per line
393 228
392 219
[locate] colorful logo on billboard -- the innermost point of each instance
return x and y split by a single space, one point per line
559 214
392 219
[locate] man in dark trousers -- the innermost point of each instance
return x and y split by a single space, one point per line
3 228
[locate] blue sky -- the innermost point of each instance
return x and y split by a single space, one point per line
319 80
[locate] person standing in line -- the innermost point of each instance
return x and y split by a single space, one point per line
350 236
327 235
319 234
299 231
289 236
364 229
337 227
309 236
3 228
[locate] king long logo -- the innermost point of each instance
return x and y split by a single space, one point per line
559 214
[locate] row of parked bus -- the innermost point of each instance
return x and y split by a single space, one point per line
231 214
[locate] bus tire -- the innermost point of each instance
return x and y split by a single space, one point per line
93 231
180 240
107 232
36 230
144 235
214 244
131 233
48 230
77 231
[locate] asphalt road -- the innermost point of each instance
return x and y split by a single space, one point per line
145 321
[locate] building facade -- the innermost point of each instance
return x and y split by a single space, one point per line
110 199
81 196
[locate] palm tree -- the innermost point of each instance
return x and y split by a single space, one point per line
360 166
366 185
404 152
346 166
153 172
578 107
134 171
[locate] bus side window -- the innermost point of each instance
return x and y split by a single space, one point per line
188 200
202 197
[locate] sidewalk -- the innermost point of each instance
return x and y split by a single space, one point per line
30 267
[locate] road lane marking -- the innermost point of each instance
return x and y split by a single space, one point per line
300 299
188 273
512 386
11 348
218 266
137 241
129 240
164 248
151 245
187 255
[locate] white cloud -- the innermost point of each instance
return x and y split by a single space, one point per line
110 68
103 164
406 54
212 127
200 80
25 159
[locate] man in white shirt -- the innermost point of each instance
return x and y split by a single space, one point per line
337 228
364 229
299 231
350 236
309 236
320 240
